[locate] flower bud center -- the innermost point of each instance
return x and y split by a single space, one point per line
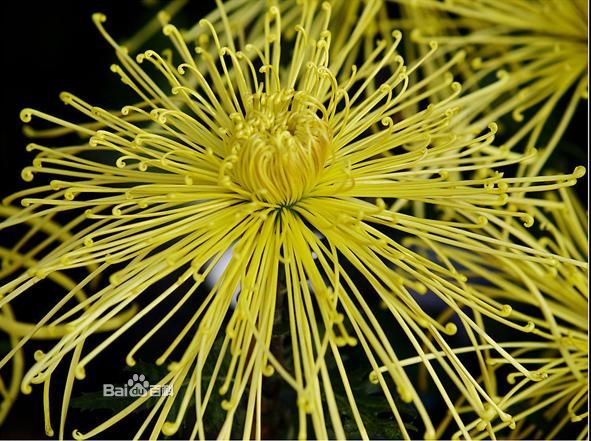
278 150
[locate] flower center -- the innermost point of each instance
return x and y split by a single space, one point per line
279 149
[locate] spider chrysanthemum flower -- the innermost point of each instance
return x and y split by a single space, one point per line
556 300
543 46
289 159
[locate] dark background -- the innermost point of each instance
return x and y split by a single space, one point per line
49 47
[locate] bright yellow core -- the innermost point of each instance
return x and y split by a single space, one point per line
279 149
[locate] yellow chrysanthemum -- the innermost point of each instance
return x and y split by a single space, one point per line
284 154
554 299
541 44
